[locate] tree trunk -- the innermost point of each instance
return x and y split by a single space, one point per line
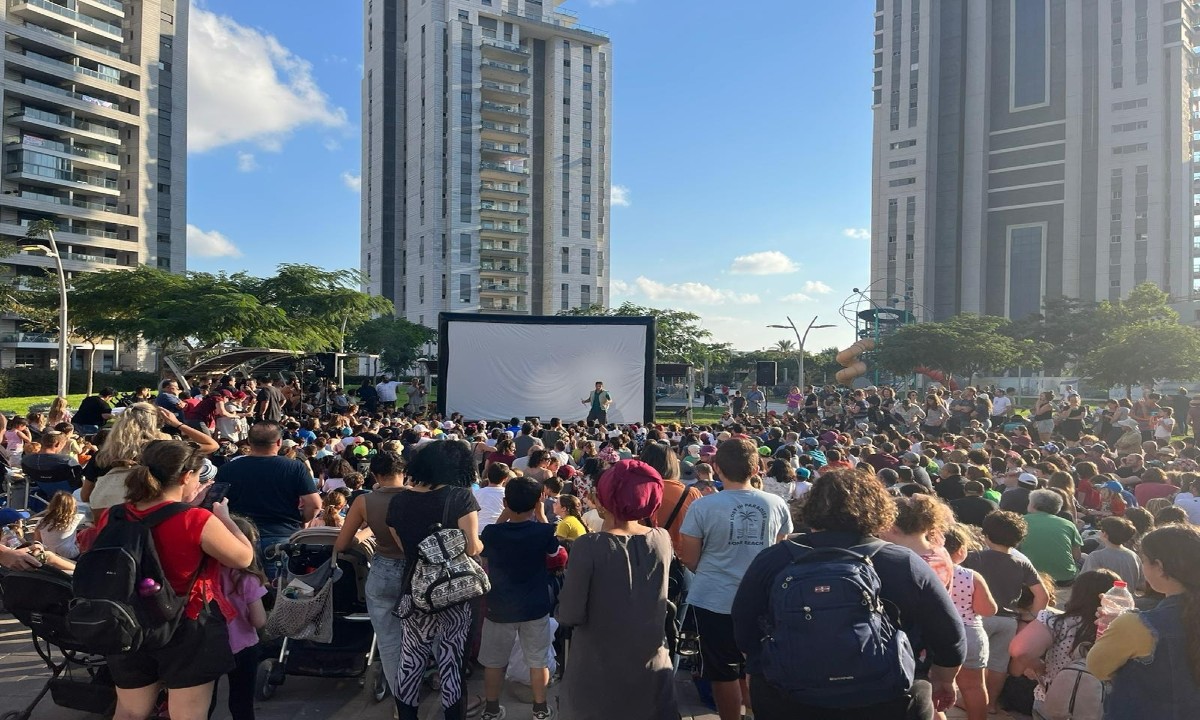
91 367
1129 392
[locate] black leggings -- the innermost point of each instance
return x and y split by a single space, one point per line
241 686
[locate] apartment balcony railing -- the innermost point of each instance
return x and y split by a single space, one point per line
114 4
505 66
490 268
503 289
500 107
503 148
503 127
504 167
98 181
67 93
75 41
49 117
69 14
33 141
42 197
503 249
503 188
506 228
505 45
69 67
488 205
76 230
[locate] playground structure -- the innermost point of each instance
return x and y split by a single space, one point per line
873 324
852 367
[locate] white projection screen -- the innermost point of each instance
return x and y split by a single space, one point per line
493 368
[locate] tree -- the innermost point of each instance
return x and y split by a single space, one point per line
321 306
1064 332
785 346
397 341
1143 352
962 345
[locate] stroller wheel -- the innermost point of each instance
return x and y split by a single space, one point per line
264 688
379 686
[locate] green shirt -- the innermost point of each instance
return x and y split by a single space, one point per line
1049 545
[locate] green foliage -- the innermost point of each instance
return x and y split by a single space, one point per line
19 382
1140 340
962 345
397 341
679 335
1064 332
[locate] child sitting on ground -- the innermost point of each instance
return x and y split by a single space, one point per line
58 525
1115 534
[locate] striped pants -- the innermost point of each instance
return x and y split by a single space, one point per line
449 629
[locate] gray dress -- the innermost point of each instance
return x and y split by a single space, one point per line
615 597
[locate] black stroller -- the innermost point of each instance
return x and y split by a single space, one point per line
79 680
351 651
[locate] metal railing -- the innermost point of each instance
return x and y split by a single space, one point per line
68 175
73 68
75 41
70 14
29 338
505 45
500 107
91 232
504 87
504 167
505 66
42 197
486 246
84 125
504 187
67 93
34 141
503 127
503 147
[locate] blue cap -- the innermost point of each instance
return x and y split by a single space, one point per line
8 516
1114 486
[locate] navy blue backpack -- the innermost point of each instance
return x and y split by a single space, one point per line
827 640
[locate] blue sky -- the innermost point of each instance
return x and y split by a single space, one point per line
741 146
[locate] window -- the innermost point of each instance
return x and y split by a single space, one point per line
566 260
585 296
464 247
1029 55
902 144
421 289
599 263
585 262
464 287
902 181
902 163
1025 270
464 15
565 300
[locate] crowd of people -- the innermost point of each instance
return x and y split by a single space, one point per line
864 553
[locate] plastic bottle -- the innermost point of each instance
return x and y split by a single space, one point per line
1116 601
148 587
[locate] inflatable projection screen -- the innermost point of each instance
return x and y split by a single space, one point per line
496 368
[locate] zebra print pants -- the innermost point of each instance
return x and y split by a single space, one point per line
449 629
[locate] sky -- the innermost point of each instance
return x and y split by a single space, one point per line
741 151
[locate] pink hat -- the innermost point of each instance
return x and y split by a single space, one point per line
630 490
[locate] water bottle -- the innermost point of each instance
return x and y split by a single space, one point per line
147 587
1116 601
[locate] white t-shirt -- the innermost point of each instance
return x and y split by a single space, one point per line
491 504
1165 428
387 390
1191 504
1001 405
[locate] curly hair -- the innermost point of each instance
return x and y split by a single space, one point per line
849 501
922 514
130 433
445 462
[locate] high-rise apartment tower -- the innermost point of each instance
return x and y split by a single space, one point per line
94 96
1026 149
486 174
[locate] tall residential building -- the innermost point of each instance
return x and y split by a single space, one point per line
486 174
1026 149
94 96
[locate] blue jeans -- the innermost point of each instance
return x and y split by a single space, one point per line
383 592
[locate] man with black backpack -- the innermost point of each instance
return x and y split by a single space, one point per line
832 621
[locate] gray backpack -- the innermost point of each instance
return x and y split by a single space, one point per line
1074 693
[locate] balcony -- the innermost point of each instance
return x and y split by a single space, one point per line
55 200
502 230
502 171
113 6
555 23
65 17
63 37
502 112
503 308
28 340
502 191
502 269
495 70
502 289
503 92
504 150
66 178
502 132
55 90
502 210
37 143
504 50
74 230
40 118
503 249
62 66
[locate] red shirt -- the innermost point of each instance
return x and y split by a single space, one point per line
177 540
1147 491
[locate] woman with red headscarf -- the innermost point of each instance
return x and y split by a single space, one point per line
615 598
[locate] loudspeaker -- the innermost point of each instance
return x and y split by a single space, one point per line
766 374
328 367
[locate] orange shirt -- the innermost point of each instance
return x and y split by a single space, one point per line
672 491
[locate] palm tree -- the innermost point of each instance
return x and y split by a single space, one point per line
784 346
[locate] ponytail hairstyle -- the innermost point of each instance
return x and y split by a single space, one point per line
1176 549
571 505
336 500
163 465
250 530
60 512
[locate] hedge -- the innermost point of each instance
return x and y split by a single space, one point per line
16 382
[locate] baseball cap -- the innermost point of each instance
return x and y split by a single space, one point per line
1099 448
911 457
811 441
1027 480
1113 485
288 444
764 451
8 516
1050 448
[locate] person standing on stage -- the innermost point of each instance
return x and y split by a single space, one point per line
600 401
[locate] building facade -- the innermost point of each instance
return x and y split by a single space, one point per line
94 96
486 173
1026 149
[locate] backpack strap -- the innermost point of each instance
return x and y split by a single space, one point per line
161 515
805 553
675 512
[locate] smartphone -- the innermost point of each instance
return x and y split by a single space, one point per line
216 493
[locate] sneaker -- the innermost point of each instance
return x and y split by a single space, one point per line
494 716
543 714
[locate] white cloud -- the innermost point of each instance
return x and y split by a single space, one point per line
332 145
857 233
244 86
209 244
354 182
246 162
818 287
692 292
770 262
620 287
796 298
620 196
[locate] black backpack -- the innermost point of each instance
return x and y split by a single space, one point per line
110 614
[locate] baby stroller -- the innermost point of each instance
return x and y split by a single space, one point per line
38 599
308 557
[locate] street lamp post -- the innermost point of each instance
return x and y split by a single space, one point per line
801 339
64 329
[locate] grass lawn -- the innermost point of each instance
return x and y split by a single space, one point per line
20 405
707 416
